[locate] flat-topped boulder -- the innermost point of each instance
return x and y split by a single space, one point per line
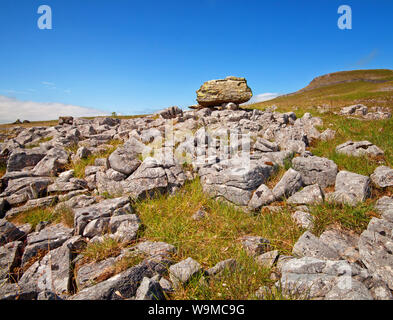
217 92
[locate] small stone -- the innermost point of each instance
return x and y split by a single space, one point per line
229 264
255 245
199 215
303 219
309 195
149 289
309 245
267 259
182 272
261 197
288 185
382 177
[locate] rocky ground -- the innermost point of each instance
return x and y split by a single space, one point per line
91 174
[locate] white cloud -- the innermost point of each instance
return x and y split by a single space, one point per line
263 97
12 109
46 83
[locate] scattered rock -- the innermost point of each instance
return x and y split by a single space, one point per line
268 259
262 196
149 289
316 170
290 183
382 177
303 219
182 272
219 268
310 246
255 245
360 148
351 188
309 195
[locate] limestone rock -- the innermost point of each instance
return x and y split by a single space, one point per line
309 245
290 183
48 239
267 259
375 248
303 219
149 289
382 177
216 92
309 195
220 267
360 148
9 259
354 186
182 272
261 197
316 170
255 245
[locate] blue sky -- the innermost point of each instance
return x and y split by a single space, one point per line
135 57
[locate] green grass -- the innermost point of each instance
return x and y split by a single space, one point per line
342 216
80 165
98 251
378 132
334 92
37 144
60 214
35 216
215 238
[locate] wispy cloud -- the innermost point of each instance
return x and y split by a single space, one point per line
263 97
367 59
11 91
48 84
12 109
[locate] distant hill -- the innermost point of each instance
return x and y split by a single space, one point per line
371 87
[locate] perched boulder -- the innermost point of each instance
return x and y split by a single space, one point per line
216 92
